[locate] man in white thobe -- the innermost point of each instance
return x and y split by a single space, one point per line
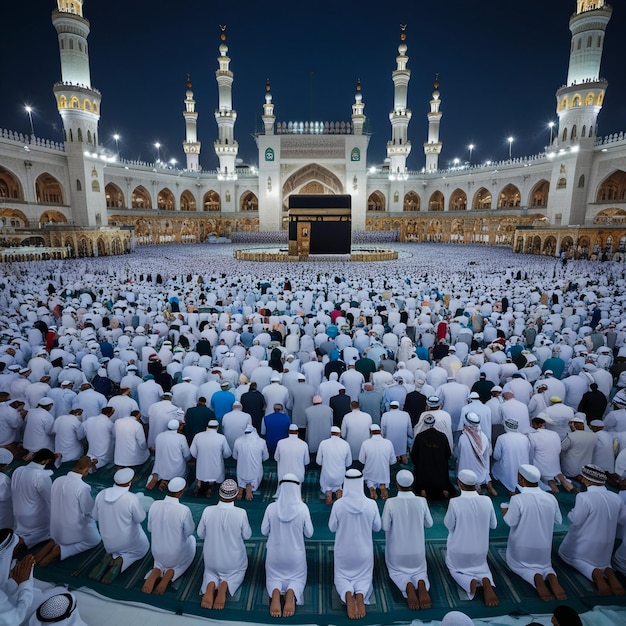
224 528
377 455
209 448
589 542
131 448
119 514
468 520
532 515
404 519
69 435
38 431
171 453
512 408
159 415
100 435
89 400
396 427
355 428
512 449
6 507
31 486
352 519
16 586
334 456
286 523
234 423
250 451
185 394
72 528
173 544
292 455
473 451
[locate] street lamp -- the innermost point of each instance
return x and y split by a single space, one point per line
29 110
456 162
173 162
117 144
470 148
510 140
551 125
157 145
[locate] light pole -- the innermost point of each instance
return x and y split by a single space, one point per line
157 145
117 144
173 162
471 149
456 162
551 125
510 140
29 110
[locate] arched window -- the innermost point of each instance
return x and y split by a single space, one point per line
114 196
187 201
95 186
141 198
581 181
565 134
249 202
436 201
411 202
79 186
165 200
574 132
80 135
48 190
376 201
211 201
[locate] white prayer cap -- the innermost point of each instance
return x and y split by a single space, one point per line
429 419
456 618
496 388
576 419
530 473
213 424
248 429
173 424
467 477
597 423
275 378
472 419
432 401
474 396
404 478
46 402
335 429
301 377
188 378
228 489
176 484
131 368
6 457
225 384
394 403
123 476
57 608
354 473
511 425
293 428
374 428
66 383
317 399
166 394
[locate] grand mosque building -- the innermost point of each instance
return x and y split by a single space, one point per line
79 199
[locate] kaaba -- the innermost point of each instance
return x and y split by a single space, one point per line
320 224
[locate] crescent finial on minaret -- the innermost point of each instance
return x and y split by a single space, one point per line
267 85
188 81
223 35
358 85
403 33
436 83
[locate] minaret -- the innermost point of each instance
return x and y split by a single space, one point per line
191 145
268 110
226 147
432 148
578 104
399 147
358 117
79 106
580 100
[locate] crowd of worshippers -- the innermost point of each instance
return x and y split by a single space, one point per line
531 394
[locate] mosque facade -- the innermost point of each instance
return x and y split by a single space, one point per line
79 199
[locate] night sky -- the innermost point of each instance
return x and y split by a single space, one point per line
500 63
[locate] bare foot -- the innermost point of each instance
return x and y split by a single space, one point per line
553 486
208 597
542 589
154 479
491 599
220 596
249 494
384 494
424 597
290 604
240 493
359 600
473 586
423 493
491 489
44 552
55 553
373 494
338 494
165 581
557 591
148 586
616 586
350 605
602 585
411 597
196 491
162 485
329 497
275 609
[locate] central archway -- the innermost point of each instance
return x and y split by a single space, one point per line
312 178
